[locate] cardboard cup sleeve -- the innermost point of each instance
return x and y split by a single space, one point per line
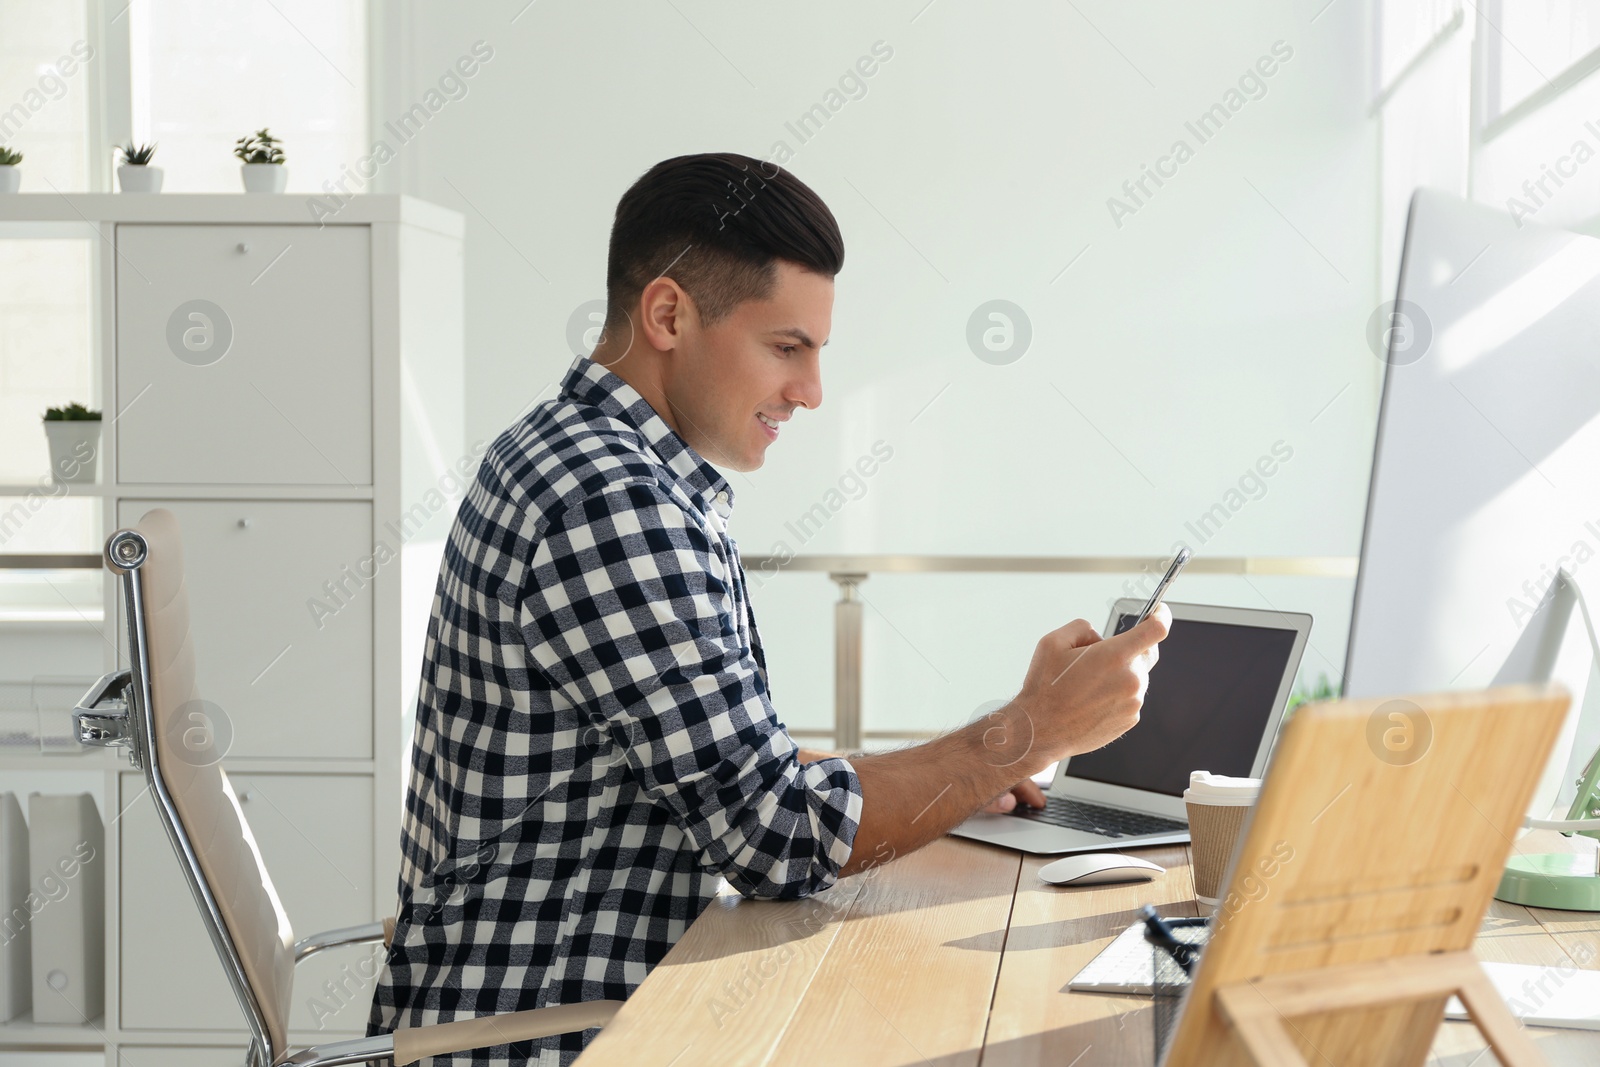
1217 806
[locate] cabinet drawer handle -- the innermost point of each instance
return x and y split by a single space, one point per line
244 246
244 523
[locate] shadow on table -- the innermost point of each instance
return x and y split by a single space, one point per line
1074 931
1124 1039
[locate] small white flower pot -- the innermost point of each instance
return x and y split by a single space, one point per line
139 178
10 179
74 450
264 177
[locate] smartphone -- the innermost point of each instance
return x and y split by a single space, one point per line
1166 579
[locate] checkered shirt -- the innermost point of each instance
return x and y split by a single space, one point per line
595 745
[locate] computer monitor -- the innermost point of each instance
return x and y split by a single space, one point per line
1484 475
1559 644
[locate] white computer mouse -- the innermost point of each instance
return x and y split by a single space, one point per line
1098 868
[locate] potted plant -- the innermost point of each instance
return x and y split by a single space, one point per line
1323 690
74 435
263 168
10 176
135 174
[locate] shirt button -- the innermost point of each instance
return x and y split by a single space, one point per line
722 498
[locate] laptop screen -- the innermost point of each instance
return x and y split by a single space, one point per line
1210 697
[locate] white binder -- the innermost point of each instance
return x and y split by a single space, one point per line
66 847
16 920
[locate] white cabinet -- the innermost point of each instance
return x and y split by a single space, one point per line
292 392
314 832
282 598
178 1056
244 355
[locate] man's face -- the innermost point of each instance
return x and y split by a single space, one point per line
732 385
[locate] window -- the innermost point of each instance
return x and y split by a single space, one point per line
46 360
1405 30
45 68
1534 49
45 344
204 75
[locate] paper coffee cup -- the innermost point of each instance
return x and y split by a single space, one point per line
1217 808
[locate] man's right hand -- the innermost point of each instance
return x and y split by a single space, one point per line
1082 692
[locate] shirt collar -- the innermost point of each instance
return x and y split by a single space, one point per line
589 382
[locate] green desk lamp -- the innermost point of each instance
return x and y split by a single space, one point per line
1556 880
1560 879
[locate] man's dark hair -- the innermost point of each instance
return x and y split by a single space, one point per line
716 224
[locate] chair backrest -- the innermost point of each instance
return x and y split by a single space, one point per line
193 797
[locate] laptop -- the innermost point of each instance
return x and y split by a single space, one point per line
1215 700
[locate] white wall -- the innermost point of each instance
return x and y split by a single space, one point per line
1226 314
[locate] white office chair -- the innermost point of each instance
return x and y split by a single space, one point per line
139 708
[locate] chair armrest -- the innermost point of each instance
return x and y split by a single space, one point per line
441 1039
348 935
101 717
358 1050
409 1044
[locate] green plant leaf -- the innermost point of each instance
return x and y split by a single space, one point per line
73 412
259 147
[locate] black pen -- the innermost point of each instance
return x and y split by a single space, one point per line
1159 933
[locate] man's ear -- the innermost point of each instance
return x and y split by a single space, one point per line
665 313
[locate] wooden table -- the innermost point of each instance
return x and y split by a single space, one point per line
959 955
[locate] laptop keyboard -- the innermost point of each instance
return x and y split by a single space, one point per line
1108 822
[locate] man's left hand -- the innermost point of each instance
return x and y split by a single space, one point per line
1026 791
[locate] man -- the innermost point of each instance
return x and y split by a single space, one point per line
595 747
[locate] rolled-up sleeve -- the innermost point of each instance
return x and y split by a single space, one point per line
629 610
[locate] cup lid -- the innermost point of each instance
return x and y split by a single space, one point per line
1221 789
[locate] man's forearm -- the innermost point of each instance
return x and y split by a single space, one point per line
913 796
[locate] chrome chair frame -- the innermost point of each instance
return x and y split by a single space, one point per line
116 713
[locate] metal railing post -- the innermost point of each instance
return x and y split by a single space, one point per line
847 619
